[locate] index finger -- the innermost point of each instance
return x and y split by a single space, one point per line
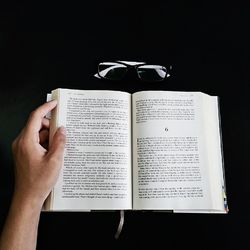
34 123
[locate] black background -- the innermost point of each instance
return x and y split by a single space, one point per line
43 47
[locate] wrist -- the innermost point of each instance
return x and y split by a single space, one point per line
26 202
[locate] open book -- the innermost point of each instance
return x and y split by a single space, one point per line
151 150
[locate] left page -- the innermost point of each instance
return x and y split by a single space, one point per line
96 173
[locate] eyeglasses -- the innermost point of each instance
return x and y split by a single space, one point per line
118 70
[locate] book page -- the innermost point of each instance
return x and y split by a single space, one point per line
171 161
96 173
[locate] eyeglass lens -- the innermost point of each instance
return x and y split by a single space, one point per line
151 72
112 70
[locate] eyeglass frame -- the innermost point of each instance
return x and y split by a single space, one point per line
129 66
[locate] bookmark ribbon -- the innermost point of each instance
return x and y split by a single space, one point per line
120 226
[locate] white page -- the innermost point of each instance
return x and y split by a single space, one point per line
97 164
170 157
48 99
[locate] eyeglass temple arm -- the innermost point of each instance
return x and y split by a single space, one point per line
105 71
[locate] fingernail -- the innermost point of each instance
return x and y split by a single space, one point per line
53 100
62 130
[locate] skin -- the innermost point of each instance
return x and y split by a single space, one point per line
36 172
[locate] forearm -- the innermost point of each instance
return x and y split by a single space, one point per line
20 231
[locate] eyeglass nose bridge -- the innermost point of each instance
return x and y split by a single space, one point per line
132 70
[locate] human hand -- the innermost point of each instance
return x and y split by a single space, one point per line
36 167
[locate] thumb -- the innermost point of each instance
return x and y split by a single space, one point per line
58 143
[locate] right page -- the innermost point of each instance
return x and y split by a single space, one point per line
177 161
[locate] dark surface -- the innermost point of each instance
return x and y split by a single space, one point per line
45 47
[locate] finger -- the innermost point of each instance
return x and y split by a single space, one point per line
45 123
43 136
57 146
36 118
